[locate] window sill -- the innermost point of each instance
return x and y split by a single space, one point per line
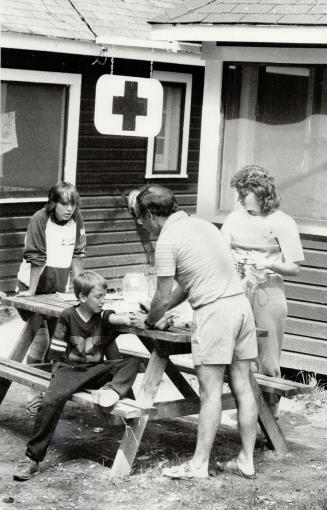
20 200
166 176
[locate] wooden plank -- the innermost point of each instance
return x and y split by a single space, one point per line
303 327
113 201
306 362
313 346
113 249
309 275
171 409
180 382
24 340
52 306
10 269
39 380
315 258
303 292
116 260
311 311
115 225
12 239
21 378
10 254
282 389
14 223
314 242
267 422
278 386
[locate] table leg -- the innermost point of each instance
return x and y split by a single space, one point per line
267 421
134 430
180 382
20 348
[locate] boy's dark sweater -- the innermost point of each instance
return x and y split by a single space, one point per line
82 343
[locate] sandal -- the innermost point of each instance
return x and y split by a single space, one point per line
185 471
233 468
34 404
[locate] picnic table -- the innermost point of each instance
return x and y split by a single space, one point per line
164 348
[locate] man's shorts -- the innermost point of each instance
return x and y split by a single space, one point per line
224 331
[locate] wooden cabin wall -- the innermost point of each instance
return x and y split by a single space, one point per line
108 167
305 339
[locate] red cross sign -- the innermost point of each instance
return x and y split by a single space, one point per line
125 105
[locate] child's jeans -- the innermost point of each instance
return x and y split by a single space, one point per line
68 379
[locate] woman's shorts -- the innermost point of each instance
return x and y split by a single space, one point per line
224 331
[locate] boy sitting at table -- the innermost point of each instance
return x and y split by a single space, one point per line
84 336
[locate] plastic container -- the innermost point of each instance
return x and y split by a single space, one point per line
135 287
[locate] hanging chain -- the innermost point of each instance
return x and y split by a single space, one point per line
112 61
151 63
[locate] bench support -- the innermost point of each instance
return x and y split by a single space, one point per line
268 424
20 348
134 428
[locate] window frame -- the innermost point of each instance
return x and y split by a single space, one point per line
73 83
164 76
210 168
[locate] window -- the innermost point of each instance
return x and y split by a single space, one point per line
167 152
276 116
39 123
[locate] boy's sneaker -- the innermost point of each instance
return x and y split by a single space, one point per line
107 397
26 469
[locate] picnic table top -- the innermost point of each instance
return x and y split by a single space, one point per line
51 305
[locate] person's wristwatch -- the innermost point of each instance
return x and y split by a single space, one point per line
148 325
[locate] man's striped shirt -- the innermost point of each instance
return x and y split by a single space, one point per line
195 253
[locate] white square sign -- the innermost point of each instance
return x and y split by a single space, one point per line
125 105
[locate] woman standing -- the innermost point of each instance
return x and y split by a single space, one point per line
266 246
55 245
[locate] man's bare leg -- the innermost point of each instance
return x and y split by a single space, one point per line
211 379
246 412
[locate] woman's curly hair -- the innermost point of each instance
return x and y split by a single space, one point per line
256 179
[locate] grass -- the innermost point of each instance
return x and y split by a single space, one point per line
317 400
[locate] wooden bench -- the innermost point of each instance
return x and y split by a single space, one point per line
272 385
126 408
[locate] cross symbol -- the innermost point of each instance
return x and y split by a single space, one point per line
129 105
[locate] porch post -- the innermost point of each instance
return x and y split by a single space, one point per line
210 139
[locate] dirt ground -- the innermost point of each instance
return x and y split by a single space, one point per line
75 474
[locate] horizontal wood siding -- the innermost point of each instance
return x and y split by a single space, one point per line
305 340
108 167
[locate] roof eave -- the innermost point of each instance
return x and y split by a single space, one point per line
172 46
232 33
150 51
